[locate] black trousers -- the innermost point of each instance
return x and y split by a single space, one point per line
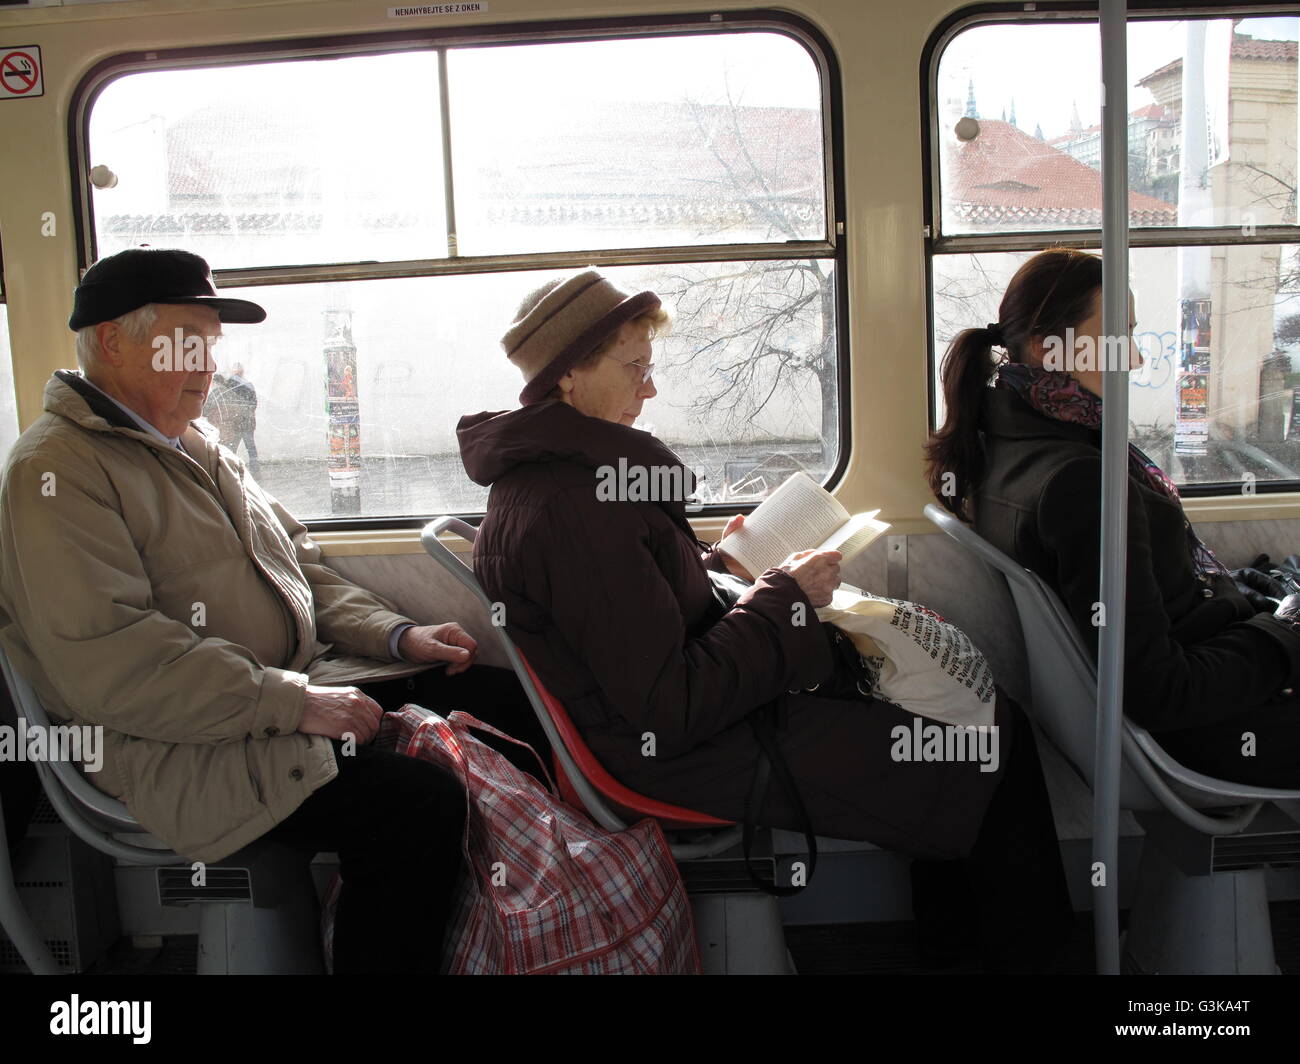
397 822
1260 746
1008 899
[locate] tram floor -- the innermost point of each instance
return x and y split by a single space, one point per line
826 949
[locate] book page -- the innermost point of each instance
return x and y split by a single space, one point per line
797 516
855 535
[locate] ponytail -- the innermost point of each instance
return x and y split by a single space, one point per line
955 453
1052 290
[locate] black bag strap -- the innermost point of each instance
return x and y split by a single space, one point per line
770 760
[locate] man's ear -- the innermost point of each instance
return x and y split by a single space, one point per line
109 335
567 382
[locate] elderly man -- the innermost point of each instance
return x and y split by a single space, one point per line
151 587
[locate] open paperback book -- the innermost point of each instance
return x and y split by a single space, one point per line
799 515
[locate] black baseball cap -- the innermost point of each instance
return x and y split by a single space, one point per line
121 283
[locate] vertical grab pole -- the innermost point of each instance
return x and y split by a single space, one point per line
1114 479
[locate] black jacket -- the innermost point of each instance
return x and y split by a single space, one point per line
1195 650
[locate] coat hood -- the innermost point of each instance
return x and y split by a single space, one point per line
494 443
1007 415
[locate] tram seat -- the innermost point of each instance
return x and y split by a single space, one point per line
1200 906
258 915
738 927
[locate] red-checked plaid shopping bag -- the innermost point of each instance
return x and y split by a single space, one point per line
543 889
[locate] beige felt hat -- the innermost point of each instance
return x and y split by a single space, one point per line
564 320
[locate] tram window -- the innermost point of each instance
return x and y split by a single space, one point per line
1035 92
1218 399
1257 415
414 354
271 164
8 402
637 142
654 145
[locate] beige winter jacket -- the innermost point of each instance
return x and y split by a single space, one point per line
171 600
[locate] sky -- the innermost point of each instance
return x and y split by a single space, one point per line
1049 68
707 67
1045 68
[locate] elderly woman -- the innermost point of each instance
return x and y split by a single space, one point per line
1205 662
613 605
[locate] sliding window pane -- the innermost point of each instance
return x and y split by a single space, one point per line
8 401
637 143
359 385
1217 399
274 164
1019 124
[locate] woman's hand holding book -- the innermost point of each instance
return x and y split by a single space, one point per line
817 572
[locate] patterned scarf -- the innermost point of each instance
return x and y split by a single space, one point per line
1061 397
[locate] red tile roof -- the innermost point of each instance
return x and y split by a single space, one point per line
1243 47
1156 111
1246 47
1006 176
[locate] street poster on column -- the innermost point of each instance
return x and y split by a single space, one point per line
344 414
1191 412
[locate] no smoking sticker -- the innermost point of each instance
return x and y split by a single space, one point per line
20 73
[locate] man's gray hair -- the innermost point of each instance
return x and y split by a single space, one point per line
135 323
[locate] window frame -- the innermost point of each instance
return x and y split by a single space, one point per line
936 243
832 247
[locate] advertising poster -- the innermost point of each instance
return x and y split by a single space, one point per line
1191 397
343 414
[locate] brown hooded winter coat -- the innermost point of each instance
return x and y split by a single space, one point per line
612 604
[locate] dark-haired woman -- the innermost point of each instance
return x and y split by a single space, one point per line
1210 676
612 603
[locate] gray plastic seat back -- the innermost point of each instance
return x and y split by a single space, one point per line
89 813
597 808
1063 686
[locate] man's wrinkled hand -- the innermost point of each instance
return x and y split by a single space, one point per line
439 642
337 712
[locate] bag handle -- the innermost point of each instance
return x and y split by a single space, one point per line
770 759
468 720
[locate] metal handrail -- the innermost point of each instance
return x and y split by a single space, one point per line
1114 483
592 799
1153 765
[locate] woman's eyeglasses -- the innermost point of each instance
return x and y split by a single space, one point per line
646 368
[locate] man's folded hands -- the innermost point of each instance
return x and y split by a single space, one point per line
448 642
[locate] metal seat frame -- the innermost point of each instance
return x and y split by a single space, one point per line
1167 796
739 930
275 931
